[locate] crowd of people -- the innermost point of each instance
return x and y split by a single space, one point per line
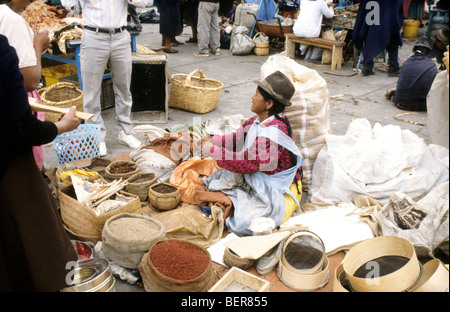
29 223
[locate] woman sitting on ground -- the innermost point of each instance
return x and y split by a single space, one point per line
262 165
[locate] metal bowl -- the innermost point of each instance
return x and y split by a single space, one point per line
92 275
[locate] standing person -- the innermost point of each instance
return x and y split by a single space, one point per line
170 24
378 28
415 79
208 28
106 41
29 47
415 10
191 18
35 250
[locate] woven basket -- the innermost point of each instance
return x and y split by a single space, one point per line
261 48
164 201
62 95
198 95
109 174
82 221
141 188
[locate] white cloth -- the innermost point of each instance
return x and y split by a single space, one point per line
103 13
19 34
309 21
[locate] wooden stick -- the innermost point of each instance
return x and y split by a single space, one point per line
50 109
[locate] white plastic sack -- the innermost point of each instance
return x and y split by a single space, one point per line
437 110
376 162
309 114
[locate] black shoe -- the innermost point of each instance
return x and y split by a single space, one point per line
394 74
368 73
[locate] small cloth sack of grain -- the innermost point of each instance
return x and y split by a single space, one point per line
127 237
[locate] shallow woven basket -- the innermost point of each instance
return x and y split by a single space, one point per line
119 163
196 94
62 95
141 188
261 48
83 222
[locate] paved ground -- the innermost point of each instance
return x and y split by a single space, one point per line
238 73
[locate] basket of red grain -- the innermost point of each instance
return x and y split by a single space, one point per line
177 266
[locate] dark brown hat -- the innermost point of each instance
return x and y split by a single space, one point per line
279 87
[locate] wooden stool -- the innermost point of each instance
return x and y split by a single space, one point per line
334 45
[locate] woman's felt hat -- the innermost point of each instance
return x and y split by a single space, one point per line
279 87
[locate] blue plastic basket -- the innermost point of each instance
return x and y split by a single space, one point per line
81 143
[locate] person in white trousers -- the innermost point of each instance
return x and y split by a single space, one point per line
106 41
208 28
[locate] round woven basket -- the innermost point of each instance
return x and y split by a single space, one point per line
62 95
196 94
164 201
139 184
133 169
261 48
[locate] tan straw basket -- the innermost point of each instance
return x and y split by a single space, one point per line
261 48
139 184
62 95
82 221
163 201
196 94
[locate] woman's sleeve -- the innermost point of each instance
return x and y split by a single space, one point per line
262 155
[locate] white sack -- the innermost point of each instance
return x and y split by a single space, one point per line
437 110
376 162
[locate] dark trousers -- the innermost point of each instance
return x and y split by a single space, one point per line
394 66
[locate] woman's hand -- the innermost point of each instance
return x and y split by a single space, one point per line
68 121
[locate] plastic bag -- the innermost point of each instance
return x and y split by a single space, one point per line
189 174
241 43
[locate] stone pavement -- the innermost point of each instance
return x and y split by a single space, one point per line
239 73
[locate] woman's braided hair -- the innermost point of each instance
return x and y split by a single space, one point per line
276 109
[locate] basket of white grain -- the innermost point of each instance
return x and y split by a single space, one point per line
126 237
